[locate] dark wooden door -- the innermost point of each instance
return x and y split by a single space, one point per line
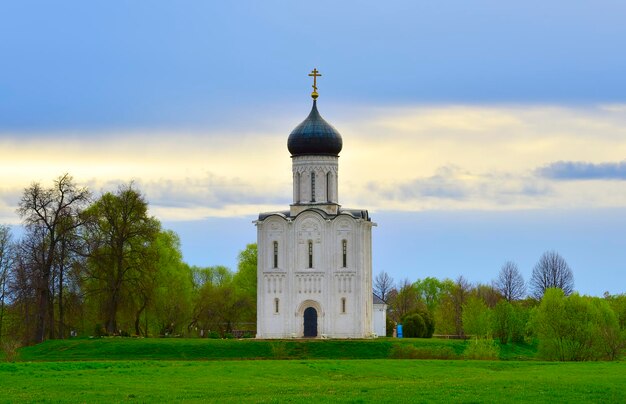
310 322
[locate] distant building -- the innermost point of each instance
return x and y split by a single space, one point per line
315 259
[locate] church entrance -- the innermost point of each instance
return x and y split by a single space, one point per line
310 322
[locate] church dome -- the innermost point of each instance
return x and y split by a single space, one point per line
314 136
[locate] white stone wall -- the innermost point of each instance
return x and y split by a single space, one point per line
380 319
296 286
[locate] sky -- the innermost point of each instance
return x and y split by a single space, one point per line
474 132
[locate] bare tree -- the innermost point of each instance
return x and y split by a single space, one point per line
510 282
52 213
5 264
403 301
383 283
551 272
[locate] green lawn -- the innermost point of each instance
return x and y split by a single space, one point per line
207 349
318 380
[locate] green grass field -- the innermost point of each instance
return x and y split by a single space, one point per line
200 370
319 380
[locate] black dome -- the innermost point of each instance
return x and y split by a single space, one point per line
314 136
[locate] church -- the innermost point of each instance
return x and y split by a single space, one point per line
314 273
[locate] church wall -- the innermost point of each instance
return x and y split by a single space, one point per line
325 285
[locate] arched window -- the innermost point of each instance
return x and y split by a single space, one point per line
275 254
313 186
343 305
310 254
344 253
276 305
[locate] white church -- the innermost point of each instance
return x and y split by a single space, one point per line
315 260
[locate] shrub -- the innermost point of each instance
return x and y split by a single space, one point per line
418 324
279 350
390 324
482 348
413 326
10 348
406 351
213 335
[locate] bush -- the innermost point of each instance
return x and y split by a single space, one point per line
100 331
482 349
213 335
10 348
419 324
390 324
404 351
413 326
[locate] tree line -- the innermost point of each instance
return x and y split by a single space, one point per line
104 266
565 325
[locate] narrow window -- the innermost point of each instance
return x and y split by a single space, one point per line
344 248
275 254
310 254
297 187
328 186
276 301
313 187
343 305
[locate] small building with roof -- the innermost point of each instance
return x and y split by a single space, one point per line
315 259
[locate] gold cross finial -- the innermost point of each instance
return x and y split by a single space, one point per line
315 74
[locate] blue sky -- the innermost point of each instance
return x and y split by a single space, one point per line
475 132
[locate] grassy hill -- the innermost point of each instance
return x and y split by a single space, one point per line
214 349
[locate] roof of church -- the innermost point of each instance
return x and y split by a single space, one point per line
377 300
355 213
314 136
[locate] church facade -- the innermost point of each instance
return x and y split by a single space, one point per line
315 259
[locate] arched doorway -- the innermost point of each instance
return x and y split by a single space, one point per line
310 322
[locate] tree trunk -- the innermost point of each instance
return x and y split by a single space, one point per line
138 318
61 269
111 314
42 314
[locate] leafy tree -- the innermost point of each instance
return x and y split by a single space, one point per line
122 259
172 298
503 315
551 272
477 318
575 328
488 294
430 290
245 279
219 305
459 295
510 282
383 283
51 215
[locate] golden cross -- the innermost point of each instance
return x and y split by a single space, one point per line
315 74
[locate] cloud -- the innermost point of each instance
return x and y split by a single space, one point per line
402 158
576 170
